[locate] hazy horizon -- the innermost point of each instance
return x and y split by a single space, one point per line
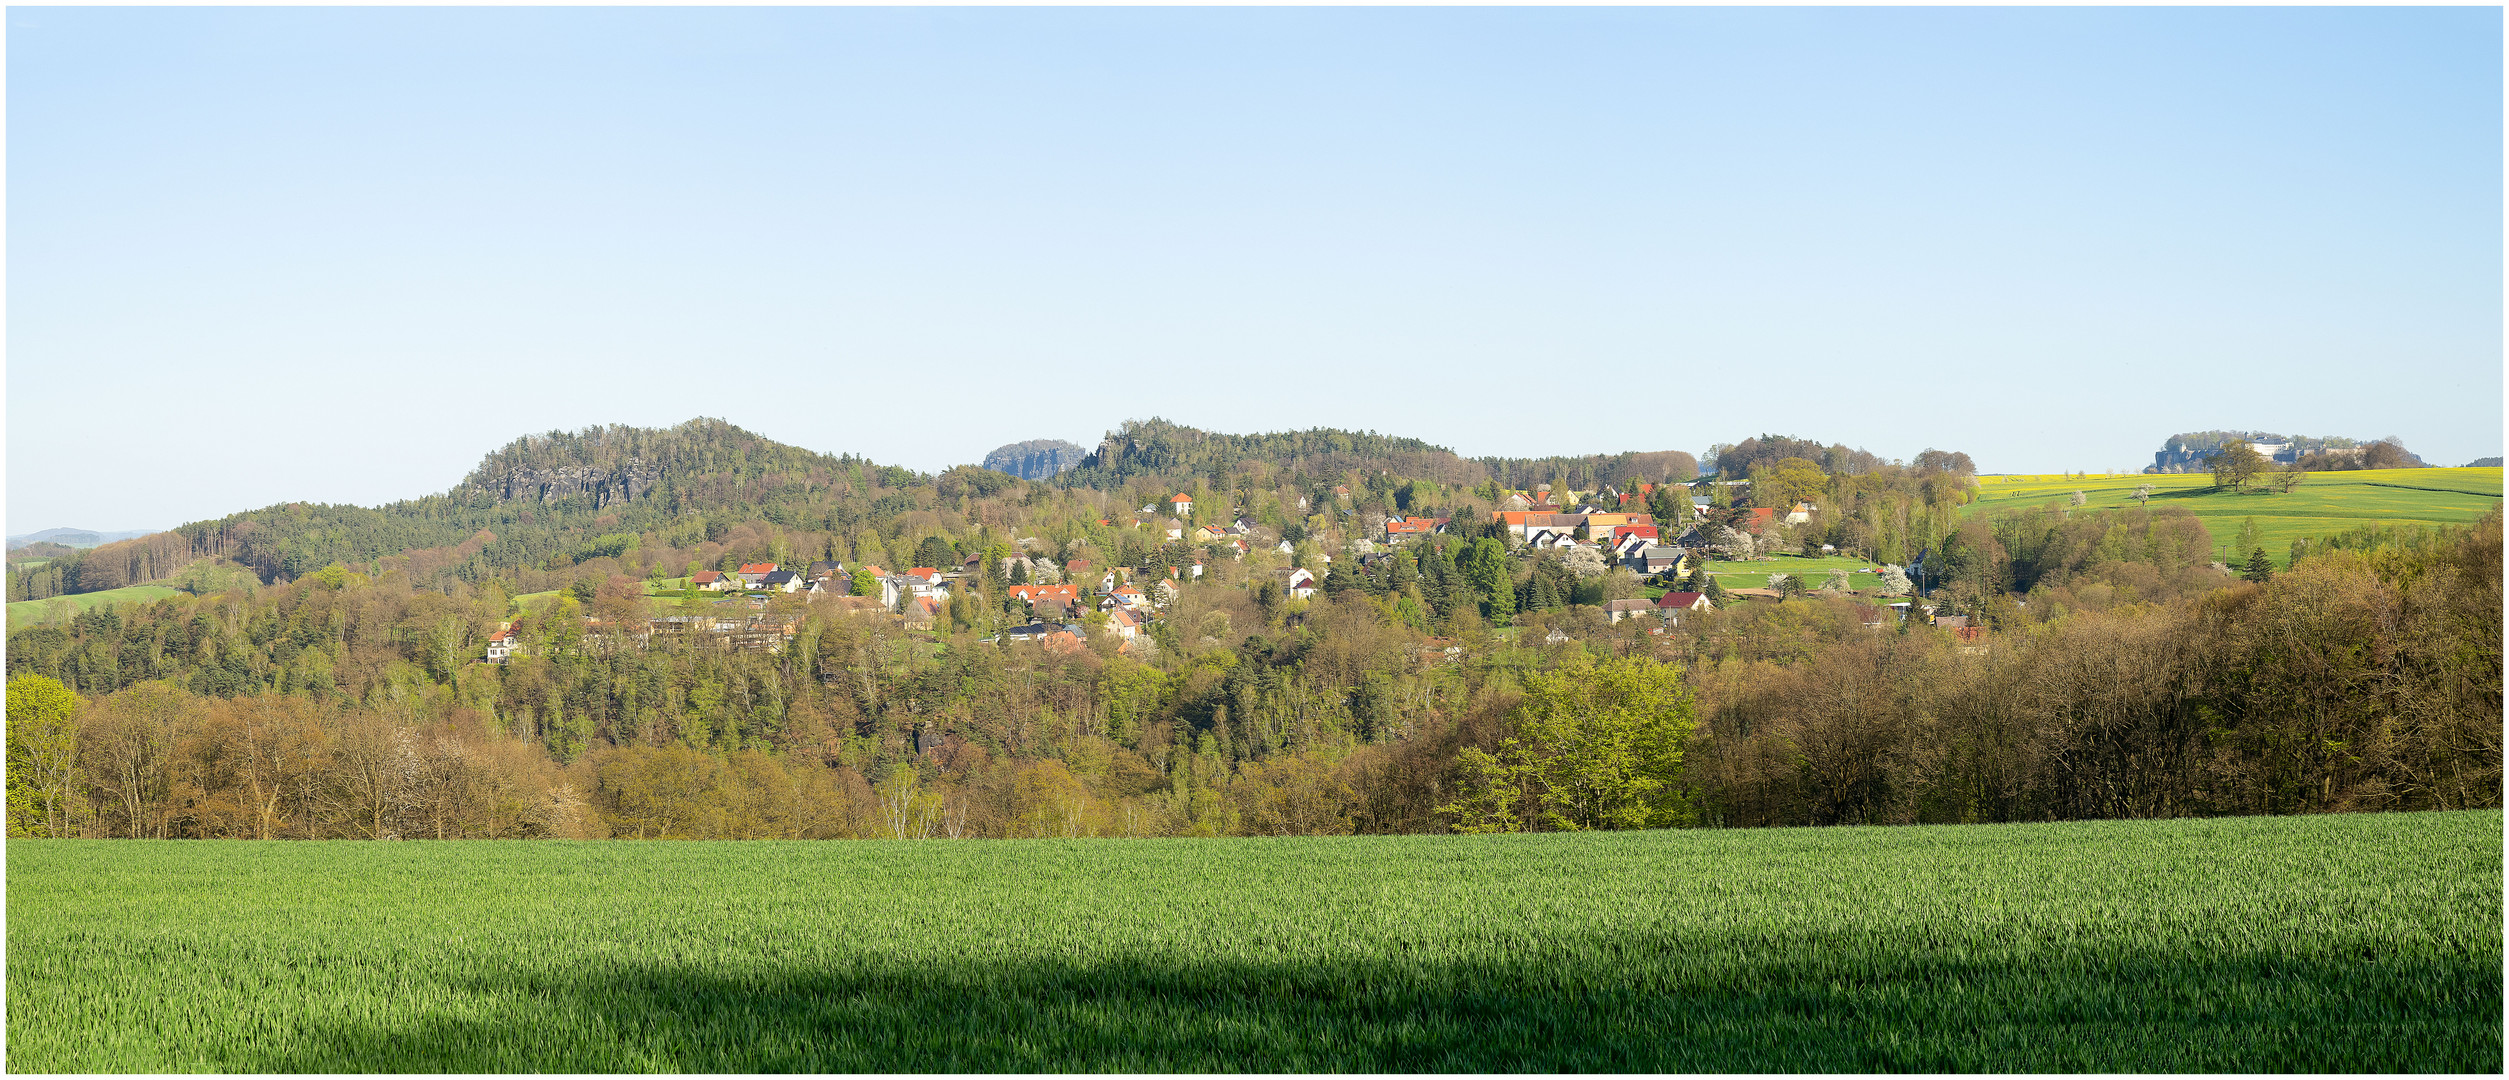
338 254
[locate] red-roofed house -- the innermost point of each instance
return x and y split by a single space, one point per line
710 581
1684 601
1183 503
501 644
1038 593
1622 609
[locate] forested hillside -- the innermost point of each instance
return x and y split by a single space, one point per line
540 503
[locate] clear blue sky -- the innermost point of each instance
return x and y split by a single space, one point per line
337 255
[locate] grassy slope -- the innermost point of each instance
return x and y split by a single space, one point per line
201 576
30 612
2334 943
2327 503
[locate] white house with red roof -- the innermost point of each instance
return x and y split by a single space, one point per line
1673 603
501 644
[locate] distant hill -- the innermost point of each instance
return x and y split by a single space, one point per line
1036 459
540 501
1156 447
77 538
2483 463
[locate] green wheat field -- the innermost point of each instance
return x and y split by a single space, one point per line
2344 943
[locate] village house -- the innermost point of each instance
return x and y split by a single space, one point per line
1622 609
1674 605
784 581
1182 503
501 644
1660 559
1404 528
751 574
711 581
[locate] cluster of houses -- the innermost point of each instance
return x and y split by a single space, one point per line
1058 596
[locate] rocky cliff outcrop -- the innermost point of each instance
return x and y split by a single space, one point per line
627 481
1036 459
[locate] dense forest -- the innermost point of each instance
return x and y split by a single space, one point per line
1457 681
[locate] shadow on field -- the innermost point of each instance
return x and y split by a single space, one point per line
2092 1013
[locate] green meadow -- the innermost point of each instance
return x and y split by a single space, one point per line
2339 943
202 576
59 608
1812 570
2325 504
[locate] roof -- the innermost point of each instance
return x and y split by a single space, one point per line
1681 600
781 576
925 572
1629 605
1180 497
706 576
758 568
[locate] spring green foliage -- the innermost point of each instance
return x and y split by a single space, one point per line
1592 746
2348 943
43 744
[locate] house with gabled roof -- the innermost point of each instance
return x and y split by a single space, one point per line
502 643
1622 609
1659 559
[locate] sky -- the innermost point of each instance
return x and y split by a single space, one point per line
338 255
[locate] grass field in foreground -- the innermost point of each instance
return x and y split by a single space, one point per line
2333 943
2325 504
